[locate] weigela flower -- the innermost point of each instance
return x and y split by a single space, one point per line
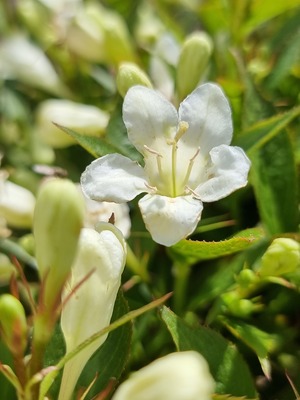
177 376
187 158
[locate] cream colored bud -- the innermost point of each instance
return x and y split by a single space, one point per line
193 61
85 119
22 60
281 257
130 74
177 376
16 205
13 325
58 219
102 254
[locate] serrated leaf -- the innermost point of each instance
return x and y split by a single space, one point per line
227 366
96 146
194 251
262 132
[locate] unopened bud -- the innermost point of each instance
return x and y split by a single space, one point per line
281 257
177 376
22 60
85 119
13 326
98 266
130 74
193 61
58 219
16 204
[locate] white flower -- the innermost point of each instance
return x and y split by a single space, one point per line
90 308
177 376
187 158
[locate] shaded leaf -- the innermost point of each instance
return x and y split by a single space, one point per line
275 181
96 146
227 366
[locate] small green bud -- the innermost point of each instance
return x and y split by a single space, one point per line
237 306
13 325
281 257
58 219
247 278
193 61
130 74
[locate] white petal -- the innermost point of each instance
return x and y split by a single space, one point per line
208 114
149 118
170 219
228 172
113 178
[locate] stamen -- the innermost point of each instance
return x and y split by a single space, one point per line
152 188
190 167
182 128
152 151
189 190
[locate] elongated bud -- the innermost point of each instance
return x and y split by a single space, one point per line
85 119
130 74
98 266
16 205
58 220
13 326
193 61
20 59
177 376
281 257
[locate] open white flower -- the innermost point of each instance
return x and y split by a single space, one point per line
187 157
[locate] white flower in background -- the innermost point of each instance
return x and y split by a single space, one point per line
16 204
22 60
177 376
85 119
187 158
90 308
102 211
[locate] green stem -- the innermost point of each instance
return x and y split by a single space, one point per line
137 266
182 274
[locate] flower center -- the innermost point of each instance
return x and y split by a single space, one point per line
167 181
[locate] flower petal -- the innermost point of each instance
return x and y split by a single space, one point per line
149 118
227 172
208 114
113 178
170 219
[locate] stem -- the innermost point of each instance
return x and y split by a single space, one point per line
182 274
136 266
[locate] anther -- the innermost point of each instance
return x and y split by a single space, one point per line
152 188
152 151
182 128
189 190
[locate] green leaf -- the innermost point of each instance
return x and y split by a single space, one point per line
262 132
194 251
228 368
275 181
229 397
96 146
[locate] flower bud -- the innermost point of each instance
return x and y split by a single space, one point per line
13 326
7 269
177 376
84 119
22 60
130 74
101 254
58 219
281 257
193 61
16 205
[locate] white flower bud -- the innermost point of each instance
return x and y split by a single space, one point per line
130 74
177 376
90 308
22 60
85 119
16 205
